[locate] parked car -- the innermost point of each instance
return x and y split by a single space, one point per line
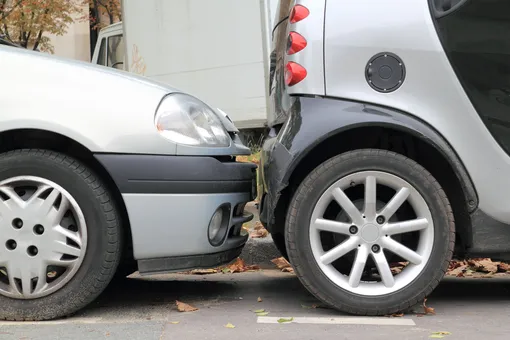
99 168
389 145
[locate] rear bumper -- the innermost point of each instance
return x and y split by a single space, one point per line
170 201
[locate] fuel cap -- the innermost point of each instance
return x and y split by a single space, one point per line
385 72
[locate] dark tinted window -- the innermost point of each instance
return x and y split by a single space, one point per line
101 59
476 38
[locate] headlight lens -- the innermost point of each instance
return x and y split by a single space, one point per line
184 119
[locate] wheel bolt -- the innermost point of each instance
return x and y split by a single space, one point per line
380 219
17 223
32 250
376 248
353 229
11 244
38 229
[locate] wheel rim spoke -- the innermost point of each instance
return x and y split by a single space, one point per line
347 205
65 249
363 234
383 267
405 226
339 251
331 226
402 251
395 203
370 197
358 266
38 237
13 196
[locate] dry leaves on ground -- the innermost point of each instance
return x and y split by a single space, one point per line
259 299
184 307
259 231
397 267
428 310
478 268
283 264
229 325
239 266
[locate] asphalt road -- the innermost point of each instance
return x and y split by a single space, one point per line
144 309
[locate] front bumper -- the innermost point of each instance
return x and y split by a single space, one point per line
170 201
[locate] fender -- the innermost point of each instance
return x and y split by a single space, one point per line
314 120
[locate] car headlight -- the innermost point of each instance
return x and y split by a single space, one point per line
184 119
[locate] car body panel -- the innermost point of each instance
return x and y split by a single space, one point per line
313 120
169 199
431 90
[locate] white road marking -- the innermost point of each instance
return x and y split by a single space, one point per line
379 321
78 321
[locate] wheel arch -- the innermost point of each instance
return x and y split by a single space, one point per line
43 139
393 131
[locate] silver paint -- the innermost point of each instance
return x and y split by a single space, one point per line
165 225
312 57
357 30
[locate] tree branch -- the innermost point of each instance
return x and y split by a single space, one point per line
38 40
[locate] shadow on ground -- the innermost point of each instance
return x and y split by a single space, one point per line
283 291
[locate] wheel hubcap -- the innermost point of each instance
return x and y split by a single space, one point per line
43 237
372 235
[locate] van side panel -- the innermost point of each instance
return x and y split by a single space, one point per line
211 49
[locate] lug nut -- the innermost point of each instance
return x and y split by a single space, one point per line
38 229
17 223
353 229
380 219
376 248
32 251
11 244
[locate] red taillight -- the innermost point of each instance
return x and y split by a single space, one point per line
298 13
294 73
296 43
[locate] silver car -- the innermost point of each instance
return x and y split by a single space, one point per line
100 170
389 145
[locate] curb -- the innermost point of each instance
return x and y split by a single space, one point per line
259 251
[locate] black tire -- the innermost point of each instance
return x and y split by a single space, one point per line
104 234
298 242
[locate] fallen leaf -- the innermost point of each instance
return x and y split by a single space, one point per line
397 315
428 310
288 270
458 271
107 334
262 314
259 311
485 265
184 307
504 267
259 299
439 335
174 322
225 270
203 271
238 266
229 325
283 320
281 262
261 233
